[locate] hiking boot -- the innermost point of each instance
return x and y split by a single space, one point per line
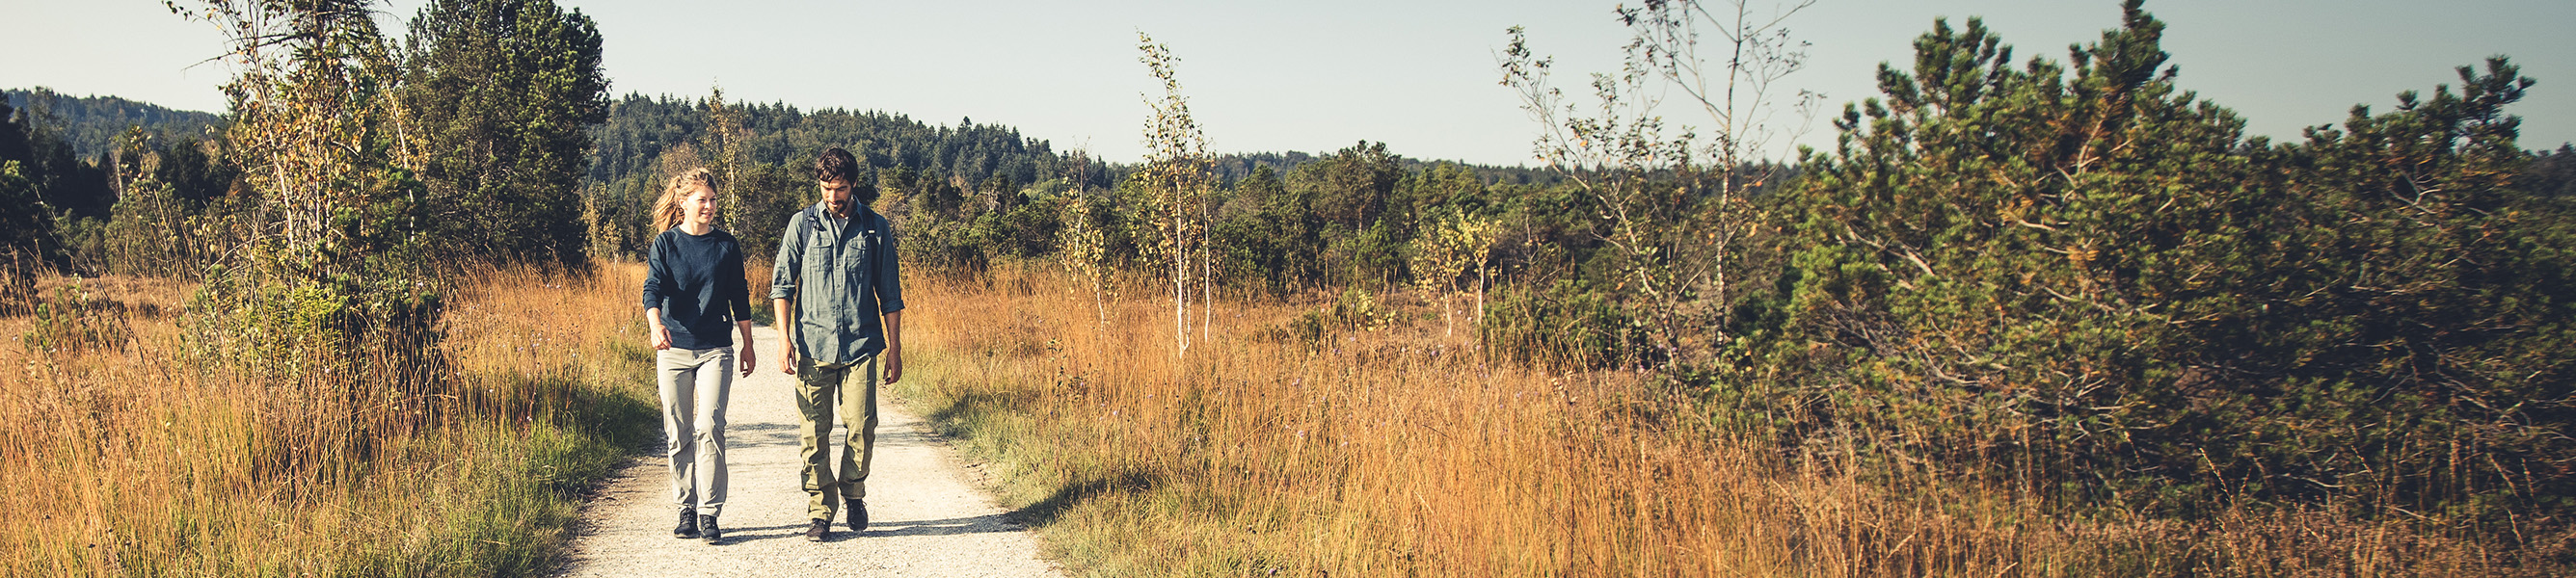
707 529
818 531
688 524
858 515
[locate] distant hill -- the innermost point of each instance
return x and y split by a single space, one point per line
1238 165
92 123
641 127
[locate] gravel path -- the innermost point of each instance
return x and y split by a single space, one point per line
927 519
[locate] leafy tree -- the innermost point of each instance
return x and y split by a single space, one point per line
499 97
334 295
1675 206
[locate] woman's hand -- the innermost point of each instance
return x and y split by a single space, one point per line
661 337
750 359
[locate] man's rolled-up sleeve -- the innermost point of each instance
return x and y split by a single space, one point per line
782 273
889 274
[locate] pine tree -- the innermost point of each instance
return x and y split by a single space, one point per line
2084 275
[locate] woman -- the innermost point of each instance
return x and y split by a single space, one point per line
694 290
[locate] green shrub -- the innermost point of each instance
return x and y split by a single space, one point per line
2156 313
1568 323
76 320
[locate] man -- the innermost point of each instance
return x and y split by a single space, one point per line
840 297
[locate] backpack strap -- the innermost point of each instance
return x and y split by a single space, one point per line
813 218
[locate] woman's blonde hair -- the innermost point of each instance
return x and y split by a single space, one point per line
666 210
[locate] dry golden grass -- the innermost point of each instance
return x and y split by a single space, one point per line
127 451
1402 452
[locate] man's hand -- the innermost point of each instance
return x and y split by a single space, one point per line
661 336
786 334
894 347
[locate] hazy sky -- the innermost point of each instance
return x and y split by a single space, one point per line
1316 76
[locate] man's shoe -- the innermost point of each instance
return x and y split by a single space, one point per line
707 529
688 524
819 530
858 515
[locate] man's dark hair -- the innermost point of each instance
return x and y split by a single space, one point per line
836 165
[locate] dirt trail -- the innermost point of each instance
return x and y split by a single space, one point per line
928 520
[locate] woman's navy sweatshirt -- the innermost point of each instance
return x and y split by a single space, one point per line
697 280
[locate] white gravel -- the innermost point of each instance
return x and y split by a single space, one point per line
927 519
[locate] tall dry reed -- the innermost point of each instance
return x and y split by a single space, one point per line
1401 451
129 450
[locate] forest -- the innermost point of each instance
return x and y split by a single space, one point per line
2060 281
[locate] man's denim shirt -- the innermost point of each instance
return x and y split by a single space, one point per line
842 280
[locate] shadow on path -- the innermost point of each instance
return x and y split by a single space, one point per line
946 527
1074 494
759 434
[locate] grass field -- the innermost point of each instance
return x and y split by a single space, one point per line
1398 450
128 451
1289 442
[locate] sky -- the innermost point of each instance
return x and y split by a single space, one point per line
1321 75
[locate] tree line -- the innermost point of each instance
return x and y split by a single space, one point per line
953 174
92 124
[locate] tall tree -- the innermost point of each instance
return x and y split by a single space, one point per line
333 293
1179 175
499 97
